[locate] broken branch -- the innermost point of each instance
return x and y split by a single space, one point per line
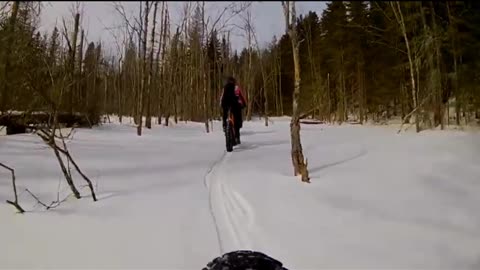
15 202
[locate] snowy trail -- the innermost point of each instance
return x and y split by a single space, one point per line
232 213
153 209
207 181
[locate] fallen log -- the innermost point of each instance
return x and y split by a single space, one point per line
20 122
311 122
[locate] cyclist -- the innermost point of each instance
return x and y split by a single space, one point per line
232 98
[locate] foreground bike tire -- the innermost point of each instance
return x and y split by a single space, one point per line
243 260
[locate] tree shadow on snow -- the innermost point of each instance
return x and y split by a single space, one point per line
475 265
360 154
254 145
249 133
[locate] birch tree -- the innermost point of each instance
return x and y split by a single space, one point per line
148 119
395 5
298 161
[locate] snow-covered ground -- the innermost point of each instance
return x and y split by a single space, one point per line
173 199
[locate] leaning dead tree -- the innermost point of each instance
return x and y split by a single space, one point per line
49 135
299 164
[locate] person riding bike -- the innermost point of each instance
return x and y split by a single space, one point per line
232 98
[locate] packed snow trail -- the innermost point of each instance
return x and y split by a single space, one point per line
152 210
377 199
207 178
232 214
172 199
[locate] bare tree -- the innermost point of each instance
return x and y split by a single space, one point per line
206 70
397 11
4 8
72 50
249 70
48 135
148 120
264 79
144 80
299 164
165 33
250 31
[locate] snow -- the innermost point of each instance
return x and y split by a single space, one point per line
173 199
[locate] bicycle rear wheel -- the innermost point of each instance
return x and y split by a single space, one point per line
229 136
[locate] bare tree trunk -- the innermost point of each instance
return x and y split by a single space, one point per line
187 82
455 69
249 73
317 99
265 96
105 97
73 50
50 140
205 99
402 100
280 85
399 16
262 70
344 113
117 88
440 107
79 73
143 69
148 120
361 89
206 68
299 164
431 84
329 99
160 71
276 76
416 62
169 86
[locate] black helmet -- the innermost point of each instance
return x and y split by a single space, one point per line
231 79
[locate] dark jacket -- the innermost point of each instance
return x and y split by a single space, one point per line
232 97
229 99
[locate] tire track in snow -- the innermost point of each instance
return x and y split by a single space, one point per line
207 185
232 214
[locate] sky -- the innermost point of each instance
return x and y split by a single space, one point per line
101 17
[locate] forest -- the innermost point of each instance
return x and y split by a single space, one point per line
359 61
376 104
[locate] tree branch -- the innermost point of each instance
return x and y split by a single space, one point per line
14 185
65 34
414 110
